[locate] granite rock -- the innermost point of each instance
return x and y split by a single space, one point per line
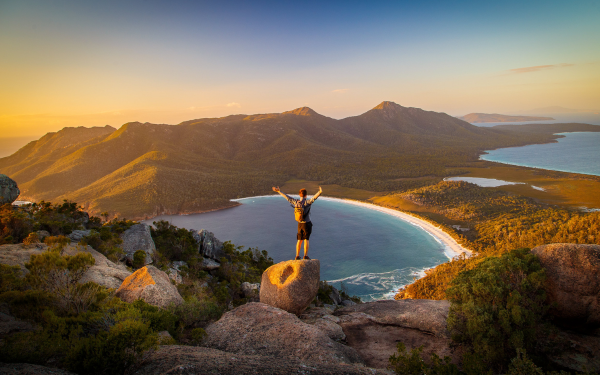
572 283
9 191
259 329
150 284
290 285
138 237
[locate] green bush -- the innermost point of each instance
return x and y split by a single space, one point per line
198 334
139 259
412 363
497 309
10 278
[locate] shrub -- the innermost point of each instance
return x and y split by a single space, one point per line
114 351
411 363
497 308
15 225
31 239
195 312
10 278
139 259
60 275
198 334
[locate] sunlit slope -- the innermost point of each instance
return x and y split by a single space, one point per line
146 169
34 158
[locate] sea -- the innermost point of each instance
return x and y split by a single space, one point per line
577 152
368 252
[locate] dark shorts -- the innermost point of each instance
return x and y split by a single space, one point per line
304 231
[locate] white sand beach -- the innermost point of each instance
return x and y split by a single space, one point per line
453 248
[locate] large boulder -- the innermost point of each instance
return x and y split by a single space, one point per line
290 285
375 328
259 329
192 360
150 284
103 272
77 235
208 245
9 191
138 237
572 283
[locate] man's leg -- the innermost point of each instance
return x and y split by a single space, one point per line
305 248
298 245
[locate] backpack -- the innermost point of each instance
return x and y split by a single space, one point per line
299 212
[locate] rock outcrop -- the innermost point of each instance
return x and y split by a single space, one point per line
259 329
77 235
375 328
150 284
572 283
9 191
250 290
138 237
103 272
209 264
290 285
208 245
191 360
322 318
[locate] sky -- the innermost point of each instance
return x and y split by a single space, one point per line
92 63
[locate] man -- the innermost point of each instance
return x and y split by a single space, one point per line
304 223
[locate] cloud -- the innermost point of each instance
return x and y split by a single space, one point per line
531 69
340 91
234 104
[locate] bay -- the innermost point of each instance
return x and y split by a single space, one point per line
372 253
577 152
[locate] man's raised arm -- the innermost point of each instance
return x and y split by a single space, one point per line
287 197
314 198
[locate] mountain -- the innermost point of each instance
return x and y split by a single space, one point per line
144 169
495 117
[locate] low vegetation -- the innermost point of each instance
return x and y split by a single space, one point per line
498 317
498 222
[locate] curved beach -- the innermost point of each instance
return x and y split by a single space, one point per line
452 248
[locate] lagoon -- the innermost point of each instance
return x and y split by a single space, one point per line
372 252
577 152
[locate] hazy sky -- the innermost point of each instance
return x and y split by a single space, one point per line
70 63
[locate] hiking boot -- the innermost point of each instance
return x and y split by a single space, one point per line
297 258
306 257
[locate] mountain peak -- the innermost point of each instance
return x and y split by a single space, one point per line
302 111
386 106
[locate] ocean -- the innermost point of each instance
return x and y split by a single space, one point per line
371 252
576 153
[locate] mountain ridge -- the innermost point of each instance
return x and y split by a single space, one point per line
145 169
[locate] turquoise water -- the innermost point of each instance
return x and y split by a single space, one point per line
576 153
371 252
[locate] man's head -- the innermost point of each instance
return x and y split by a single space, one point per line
303 193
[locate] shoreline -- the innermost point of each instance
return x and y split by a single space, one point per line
451 247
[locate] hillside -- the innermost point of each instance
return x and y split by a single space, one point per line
142 170
495 117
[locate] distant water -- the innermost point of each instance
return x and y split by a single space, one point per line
371 252
488 182
576 153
